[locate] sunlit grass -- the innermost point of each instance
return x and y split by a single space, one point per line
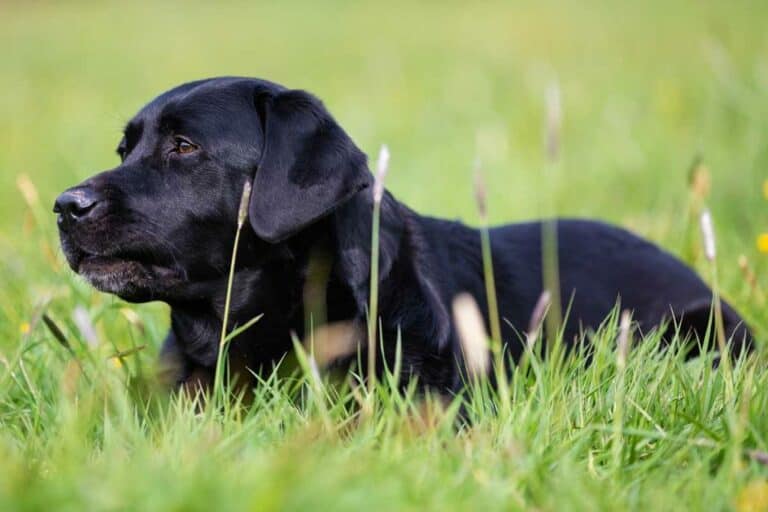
108 439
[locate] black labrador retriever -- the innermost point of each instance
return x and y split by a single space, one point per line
161 225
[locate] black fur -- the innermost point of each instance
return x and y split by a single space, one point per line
161 225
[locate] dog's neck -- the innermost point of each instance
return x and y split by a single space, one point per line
270 290
282 289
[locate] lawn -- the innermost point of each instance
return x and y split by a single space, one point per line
652 93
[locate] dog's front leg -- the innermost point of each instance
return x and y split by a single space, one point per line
179 372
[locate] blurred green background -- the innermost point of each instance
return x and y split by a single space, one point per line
646 89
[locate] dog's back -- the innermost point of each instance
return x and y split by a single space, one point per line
600 266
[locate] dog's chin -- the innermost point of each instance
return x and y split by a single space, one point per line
130 280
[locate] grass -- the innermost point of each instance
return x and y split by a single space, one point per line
645 90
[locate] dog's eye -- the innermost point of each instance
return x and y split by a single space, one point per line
183 146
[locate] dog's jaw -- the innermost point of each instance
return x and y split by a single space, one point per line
129 279
112 275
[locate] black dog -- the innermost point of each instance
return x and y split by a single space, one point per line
161 226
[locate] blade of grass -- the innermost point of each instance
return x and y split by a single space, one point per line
373 307
219 393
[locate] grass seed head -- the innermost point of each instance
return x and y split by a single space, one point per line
382 166
28 190
708 235
554 121
537 317
481 194
133 319
333 341
472 334
242 212
747 272
83 322
56 331
623 340
759 456
700 181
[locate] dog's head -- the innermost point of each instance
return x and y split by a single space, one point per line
166 215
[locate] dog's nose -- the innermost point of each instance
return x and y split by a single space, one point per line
75 205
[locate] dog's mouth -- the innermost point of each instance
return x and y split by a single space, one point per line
126 275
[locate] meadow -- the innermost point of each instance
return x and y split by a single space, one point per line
664 113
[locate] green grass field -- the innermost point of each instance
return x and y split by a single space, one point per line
647 88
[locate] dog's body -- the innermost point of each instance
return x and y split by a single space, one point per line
161 227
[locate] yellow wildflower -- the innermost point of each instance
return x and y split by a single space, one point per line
24 328
762 243
753 497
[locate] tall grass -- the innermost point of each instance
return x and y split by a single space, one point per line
500 363
636 428
221 384
373 310
550 264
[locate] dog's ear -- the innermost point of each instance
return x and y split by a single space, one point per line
309 166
